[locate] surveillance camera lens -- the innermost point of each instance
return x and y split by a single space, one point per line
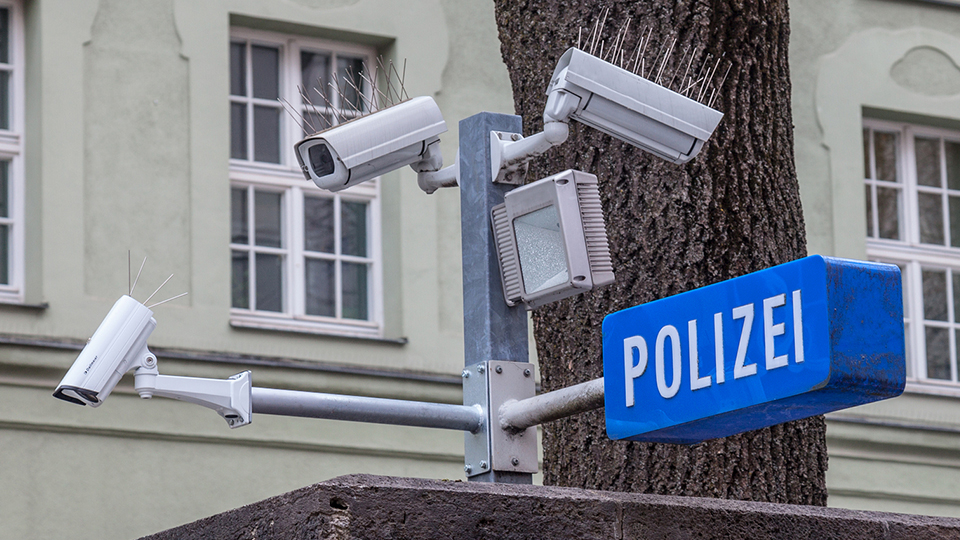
321 160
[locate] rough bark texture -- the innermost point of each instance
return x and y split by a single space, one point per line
733 210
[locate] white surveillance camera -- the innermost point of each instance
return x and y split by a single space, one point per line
369 146
118 345
626 106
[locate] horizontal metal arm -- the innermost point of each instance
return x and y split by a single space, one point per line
366 409
576 399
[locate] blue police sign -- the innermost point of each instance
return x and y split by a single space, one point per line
800 339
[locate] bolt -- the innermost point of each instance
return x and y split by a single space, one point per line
515 461
467 469
481 369
526 372
514 137
483 464
499 369
465 374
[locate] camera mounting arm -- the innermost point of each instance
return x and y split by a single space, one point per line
507 157
230 398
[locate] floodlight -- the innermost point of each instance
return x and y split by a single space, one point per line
551 240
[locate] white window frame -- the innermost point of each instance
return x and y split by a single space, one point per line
12 150
913 256
287 177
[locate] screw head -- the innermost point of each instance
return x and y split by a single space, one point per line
467 469
514 137
499 369
483 464
526 372
481 369
465 374
515 461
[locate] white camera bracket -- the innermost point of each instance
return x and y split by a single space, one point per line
510 153
230 398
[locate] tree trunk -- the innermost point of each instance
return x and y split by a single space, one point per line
734 209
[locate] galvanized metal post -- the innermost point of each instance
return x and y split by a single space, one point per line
492 330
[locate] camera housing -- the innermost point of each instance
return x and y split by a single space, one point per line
118 345
363 148
626 106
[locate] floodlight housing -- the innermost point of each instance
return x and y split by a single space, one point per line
551 240
363 148
626 106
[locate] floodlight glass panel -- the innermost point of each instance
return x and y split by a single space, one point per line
543 257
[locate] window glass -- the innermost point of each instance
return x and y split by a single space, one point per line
269 282
321 296
267 220
928 161
266 134
266 72
318 224
353 228
885 151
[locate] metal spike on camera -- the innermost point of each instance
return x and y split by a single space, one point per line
663 68
337 105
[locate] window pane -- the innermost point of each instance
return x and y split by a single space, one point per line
931 218
935 295
5 254
240 280
320 283
238 131
4 189
318 224
267 215
266 134
866 154
314 76
354 278
238 216
238 69
4 100
885 148
348 73
928 161
266 72
269 282
938 353
954 221
869 199
956 296
4 35
888 212
953 164
353 228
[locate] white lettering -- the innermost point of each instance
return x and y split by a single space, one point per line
797 327
696 381
718 344
771 331
740 370
630 371
668 391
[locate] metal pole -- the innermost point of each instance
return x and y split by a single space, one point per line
576 399
366 409
492 330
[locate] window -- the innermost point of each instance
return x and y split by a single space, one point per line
912 190
11 153
302 258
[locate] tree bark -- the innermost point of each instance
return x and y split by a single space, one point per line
734 209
